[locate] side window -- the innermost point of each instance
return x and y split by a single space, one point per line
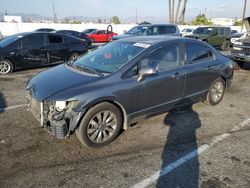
216 31
197 53
33 41
163 30
163 58
132 71
152 31
55 39
222 31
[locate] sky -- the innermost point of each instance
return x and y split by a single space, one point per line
123 8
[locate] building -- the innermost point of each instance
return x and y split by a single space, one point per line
223 21
8 18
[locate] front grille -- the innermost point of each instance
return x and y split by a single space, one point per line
246 43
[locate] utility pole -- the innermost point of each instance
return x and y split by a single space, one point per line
136 17
54 12
244 12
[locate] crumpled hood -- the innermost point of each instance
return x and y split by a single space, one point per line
56 80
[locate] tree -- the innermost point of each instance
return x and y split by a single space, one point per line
244 12
238 23
201 19
170 11
177 11
115 20
183 11
174 12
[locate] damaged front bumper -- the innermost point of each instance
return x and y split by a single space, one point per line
58 123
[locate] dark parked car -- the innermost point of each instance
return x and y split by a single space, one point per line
45 30
106 89
37 49
75 34
149 30
88 31
216 36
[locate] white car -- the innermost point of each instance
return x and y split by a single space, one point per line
187 31
1 36
236 36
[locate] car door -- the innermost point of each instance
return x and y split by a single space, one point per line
33 52
214 38
164 88
57 48
201 69
100 36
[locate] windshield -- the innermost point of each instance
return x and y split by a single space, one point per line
138 30
9 40
187 30
110 57
203 30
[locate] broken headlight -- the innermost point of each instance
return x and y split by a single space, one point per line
60 105
64 105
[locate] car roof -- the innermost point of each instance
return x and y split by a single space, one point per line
150 25
151 40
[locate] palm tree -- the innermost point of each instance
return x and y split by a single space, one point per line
169 11
173 1
244 12
177 11
183 11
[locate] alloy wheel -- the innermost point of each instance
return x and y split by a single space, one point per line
4 67
217 91
102 126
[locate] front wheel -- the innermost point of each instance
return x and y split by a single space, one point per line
6 66
100 125
226 45
216 92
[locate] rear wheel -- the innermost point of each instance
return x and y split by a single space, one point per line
74 56
100 125
6 66
216 92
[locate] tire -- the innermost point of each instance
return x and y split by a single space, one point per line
102 120
216 92
241 64
6 66
226 45
74 56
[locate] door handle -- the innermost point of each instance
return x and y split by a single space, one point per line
177 75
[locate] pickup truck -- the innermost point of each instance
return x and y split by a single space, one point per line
241 47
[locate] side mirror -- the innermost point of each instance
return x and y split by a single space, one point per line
146 71
125 31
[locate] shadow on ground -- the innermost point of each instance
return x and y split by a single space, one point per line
2 103
181 140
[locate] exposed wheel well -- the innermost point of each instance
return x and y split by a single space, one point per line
116 104
225 80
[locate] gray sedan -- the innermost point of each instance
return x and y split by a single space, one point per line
105 90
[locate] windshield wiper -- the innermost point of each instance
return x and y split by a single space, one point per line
90 70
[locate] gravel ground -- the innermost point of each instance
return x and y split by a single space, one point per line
30 157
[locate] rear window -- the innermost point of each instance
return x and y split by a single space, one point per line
55 39
197 53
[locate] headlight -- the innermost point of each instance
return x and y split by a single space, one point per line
60 105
